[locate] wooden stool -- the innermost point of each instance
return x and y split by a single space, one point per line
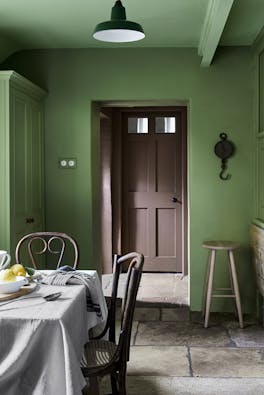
229 247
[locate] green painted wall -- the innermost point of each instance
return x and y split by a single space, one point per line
220 100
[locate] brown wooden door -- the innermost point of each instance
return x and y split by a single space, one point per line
154 187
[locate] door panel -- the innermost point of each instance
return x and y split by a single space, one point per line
137 219
165 227
137 169
153 188
165 165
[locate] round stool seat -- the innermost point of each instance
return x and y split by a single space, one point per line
220 245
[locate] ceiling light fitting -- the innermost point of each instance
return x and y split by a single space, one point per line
118 29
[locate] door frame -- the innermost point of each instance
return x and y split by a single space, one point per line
116 176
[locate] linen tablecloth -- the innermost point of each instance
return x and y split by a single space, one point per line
41 343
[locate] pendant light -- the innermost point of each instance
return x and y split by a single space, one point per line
118 29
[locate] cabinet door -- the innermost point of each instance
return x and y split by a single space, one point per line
36 166
27 208
20 162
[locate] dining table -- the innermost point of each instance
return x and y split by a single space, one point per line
41 342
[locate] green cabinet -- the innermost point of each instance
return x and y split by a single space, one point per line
259 129
21 159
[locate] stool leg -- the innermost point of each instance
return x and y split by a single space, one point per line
209 288
232 282
236 288
206 283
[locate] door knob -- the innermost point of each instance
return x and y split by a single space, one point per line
175 200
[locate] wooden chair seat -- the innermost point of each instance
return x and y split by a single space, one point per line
99 353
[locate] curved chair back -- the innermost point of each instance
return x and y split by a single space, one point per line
41 243
104 357
134 273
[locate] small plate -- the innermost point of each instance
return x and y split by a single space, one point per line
7 287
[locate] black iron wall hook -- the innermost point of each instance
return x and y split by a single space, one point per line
224 149
224 168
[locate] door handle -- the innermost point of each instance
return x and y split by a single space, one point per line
175 200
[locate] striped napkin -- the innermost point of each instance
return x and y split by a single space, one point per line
94 299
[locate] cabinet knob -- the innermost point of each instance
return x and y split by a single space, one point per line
30 220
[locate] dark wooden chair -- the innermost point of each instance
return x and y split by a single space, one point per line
109 331
40 243
103 357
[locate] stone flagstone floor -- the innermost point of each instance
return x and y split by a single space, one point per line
166 288
172 353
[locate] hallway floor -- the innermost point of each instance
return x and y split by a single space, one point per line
165 288
172 353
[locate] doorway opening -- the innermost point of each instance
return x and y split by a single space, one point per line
144 196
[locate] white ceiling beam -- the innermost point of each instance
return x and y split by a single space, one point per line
214 23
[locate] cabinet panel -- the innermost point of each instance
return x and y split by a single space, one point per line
21 129
261 91
260 164
36 185
19 165
259 129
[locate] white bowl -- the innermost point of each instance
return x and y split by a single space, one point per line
14 286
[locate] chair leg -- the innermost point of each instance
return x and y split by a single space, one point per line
236 288
114 385
122 381
209 289
94 385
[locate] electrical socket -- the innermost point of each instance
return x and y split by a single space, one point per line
67 163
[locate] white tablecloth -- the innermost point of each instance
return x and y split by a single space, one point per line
41 342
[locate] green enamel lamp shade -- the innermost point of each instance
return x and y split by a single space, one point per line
118 29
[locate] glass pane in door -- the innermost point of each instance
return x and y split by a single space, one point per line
138 125
165 125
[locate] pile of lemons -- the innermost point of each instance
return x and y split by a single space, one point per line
10 274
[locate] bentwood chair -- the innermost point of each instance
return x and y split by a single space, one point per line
109 331
53 243
103 357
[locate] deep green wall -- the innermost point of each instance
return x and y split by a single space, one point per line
220 100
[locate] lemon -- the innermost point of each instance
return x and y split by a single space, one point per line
7 275
18 270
